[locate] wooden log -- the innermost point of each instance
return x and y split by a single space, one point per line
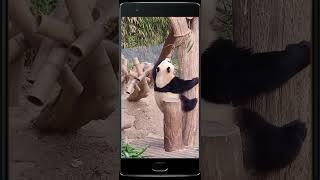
95 73
17 47
87 41
68 113
177 29
55 29
172 126
80 15
41 58
138 87
69 82
48 76
223 158
188 55
15 77
167 48
20 13
208 12
220 143
103 71
13 29
141 74
113 52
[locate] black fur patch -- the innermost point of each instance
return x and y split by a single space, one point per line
267 147
234 74
188 104
178 86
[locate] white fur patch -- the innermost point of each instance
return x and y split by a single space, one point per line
163 77
165 97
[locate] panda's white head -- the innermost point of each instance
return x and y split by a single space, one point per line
165 73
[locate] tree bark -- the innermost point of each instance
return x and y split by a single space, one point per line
172 126
271 25
188 55
185 37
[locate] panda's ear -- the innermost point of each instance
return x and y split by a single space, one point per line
168 69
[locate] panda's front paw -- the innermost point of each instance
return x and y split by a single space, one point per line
305 44
195 81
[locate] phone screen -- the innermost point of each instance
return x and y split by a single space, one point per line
159 84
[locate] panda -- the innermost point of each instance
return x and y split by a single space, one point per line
169 88
231 75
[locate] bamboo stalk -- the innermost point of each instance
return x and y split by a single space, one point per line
55 29
40 59
48 76
17 47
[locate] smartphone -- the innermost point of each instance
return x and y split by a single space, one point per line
159 89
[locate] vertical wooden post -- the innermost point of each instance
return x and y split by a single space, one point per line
172 126
208 12
271 25
188 55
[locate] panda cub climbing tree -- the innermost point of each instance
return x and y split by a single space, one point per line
169 88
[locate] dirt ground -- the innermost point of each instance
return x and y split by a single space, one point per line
147 130
147 117
91 153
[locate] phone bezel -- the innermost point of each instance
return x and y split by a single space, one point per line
176 166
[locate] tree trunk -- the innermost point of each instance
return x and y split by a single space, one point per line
271 25
172 126
188 55
208 12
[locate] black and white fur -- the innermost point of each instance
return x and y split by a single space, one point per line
231 74
168 86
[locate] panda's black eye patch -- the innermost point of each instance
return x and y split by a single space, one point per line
158 69
168 69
